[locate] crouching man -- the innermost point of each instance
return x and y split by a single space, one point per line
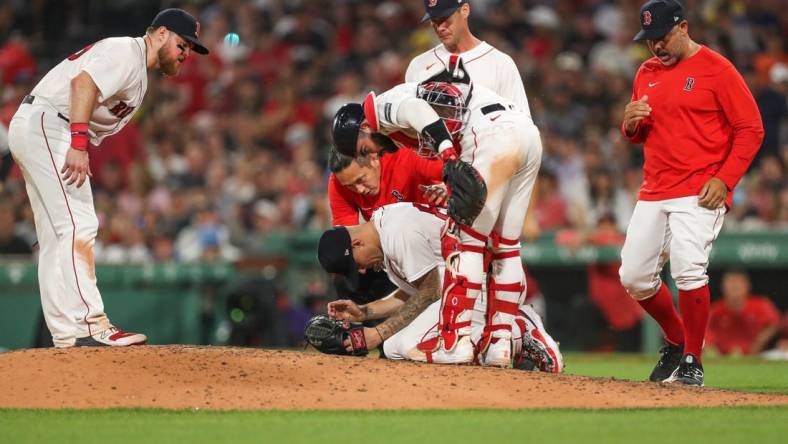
404 240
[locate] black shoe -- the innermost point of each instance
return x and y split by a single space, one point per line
670 357
690 372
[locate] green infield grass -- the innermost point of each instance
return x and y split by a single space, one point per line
717 425
692 425
743 373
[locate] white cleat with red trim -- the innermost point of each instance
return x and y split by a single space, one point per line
113 337
498 353
535 343
432 351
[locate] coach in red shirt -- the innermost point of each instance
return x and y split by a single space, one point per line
359 186
700 129
740 322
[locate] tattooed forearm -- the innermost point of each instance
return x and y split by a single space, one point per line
366 311
428 292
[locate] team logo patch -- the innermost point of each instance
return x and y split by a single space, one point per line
432 3
646 18
197 31
397 195
690 84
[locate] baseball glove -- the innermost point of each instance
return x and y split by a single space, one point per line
468 191
328 336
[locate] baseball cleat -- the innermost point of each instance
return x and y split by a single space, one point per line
112 337
689 372
462 353
498 353
669 359
535 344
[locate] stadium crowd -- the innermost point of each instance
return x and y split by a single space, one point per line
235 148
233 151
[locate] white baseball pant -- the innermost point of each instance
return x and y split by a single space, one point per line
66 225
676 229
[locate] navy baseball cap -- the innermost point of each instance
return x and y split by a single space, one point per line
440 8
657 18
183 24
335 254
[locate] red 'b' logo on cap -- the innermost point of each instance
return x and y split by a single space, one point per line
646 18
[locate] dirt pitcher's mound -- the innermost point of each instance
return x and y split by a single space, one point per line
238 378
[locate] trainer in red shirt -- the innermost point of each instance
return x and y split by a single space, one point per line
740 322
700 128
362 185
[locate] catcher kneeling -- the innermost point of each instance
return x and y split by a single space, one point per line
404 240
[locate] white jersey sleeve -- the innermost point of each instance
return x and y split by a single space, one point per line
410 239
117 66
509 83
108 65
387 107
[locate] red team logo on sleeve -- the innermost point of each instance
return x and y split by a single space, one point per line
646 18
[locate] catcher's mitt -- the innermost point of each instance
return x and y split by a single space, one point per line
328 336
468 191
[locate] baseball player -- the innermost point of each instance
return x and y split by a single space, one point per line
486 65
502 144
413 259
358 186
87 97
700 128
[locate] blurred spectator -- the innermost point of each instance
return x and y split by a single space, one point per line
550 207
10 242
782 336
250 122
16 62
740 323
773 104
205 239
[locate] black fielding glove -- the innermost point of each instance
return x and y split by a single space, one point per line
468 190
328 336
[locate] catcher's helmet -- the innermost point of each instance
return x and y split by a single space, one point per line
344 131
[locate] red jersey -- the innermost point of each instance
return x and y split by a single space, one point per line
704 123
401 173
731 331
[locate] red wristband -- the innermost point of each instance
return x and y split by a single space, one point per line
80 136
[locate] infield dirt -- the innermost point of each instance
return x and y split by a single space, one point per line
183 377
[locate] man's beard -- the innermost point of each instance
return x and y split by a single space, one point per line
167 66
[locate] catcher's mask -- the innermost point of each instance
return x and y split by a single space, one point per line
344 131
449 93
